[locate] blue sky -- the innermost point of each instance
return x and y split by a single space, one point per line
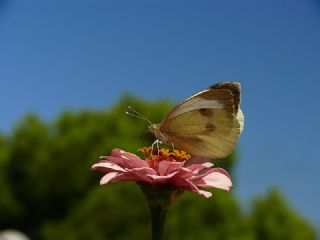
57 55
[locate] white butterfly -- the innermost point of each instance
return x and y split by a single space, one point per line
207 124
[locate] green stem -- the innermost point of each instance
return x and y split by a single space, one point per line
158 217
159 199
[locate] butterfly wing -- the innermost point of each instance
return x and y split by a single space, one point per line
208 123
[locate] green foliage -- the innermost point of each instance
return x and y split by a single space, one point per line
10 207
218 218
48 191
118 212
271 218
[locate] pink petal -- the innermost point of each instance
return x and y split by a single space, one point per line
125 160
166 167
137 162
123 154
163 179
185 184
107 167
116 152
108 177
196 168
118 177
189 186
121 177
143 174
119 161
134 159
185 173
204 172
216 178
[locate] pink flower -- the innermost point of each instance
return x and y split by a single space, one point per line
163 168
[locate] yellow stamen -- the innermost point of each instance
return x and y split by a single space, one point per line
164 153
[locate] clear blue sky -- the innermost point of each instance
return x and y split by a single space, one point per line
74 54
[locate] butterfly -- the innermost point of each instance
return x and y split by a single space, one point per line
207 124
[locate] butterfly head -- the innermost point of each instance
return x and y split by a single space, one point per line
155 129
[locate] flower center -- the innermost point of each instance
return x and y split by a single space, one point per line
154 156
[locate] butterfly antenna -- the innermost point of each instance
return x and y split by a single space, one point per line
136 114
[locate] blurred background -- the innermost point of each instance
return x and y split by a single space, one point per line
69 69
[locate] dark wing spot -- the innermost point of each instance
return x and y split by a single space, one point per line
207 112
210 128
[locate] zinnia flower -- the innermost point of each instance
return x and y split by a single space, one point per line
162 168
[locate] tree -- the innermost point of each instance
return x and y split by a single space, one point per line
272 218
10 207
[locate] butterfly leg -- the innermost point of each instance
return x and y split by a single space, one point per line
156 142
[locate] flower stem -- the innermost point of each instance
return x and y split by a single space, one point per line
158 217
159 199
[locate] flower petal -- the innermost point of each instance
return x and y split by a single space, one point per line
143 174
217 178
118 177
125 159
163 179
106 167
121 177
196 168
185 173
166 167
136 161
108 177
189 186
